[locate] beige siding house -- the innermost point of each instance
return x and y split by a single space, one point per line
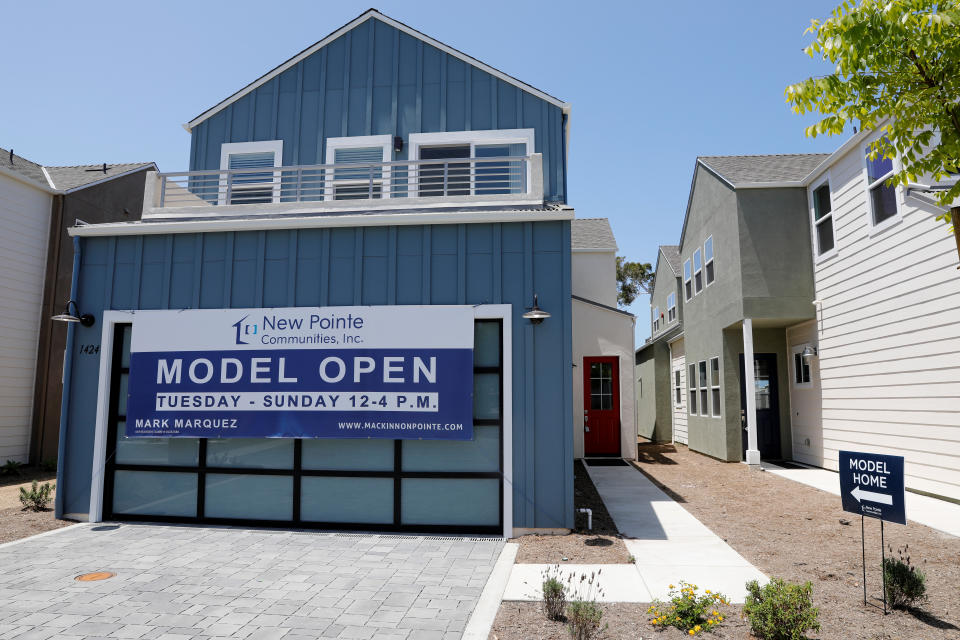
888 325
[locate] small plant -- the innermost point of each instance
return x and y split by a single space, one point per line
11 468
631 559
583 613
688 610
554 594
906 585
780 610
37 497
584 618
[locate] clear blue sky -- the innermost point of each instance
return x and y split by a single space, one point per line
652 85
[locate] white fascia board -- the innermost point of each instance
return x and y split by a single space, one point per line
147 167
25 180
373 13
784 184
314 222
842 150
46 175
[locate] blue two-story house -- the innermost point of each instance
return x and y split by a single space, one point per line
378 170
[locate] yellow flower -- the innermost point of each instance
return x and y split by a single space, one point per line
720 618
708 590
671 586
690 632
715 612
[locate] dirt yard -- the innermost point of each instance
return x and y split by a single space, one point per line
787 530
601 545
15 522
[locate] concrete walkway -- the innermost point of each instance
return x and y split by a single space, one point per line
937 514
666 541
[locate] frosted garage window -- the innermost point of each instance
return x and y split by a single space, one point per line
250 453
170 452
462 501
486 344
480 454
155 493
356 454
248 497
486 396
335 499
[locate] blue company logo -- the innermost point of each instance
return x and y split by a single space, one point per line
244 329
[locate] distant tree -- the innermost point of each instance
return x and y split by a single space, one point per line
896 66
632 278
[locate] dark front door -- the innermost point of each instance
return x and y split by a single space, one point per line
768 406
601 406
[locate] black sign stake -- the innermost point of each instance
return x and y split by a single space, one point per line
883 569
863 550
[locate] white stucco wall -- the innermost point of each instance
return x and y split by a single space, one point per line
24 232
603 332
594 275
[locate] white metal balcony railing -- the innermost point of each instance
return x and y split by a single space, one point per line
479 181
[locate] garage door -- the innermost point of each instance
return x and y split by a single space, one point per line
372 484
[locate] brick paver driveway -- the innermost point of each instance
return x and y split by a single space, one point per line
179 582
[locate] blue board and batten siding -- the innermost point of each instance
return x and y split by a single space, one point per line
376 80
442 264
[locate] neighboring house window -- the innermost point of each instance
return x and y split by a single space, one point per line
656 319
692 388
677 389
704 388
801 368
369 179
883 197
697 271
671 307
250 180
715 386
823 219
458 170
687 282
708 259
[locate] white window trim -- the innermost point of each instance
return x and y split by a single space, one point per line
874 229
714 410
353 142
692 387
672 307
473 138
704 385
793 367
229 148
656 319
687 263
677 385
825 180
706 262
696 271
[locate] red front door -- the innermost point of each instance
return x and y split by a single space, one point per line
601 406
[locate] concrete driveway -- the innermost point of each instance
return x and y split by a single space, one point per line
179 582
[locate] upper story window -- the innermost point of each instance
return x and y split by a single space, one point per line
671 307
823 219
882 197
369 179
251 180
687 281
697 271
458 170
708 260
656 319
704 388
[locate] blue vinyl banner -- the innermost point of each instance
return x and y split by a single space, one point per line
393 372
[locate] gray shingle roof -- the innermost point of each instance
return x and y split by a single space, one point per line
21 165
772 168
672 254
65 178
591 233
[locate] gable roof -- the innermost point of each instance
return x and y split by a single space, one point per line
363 17
740 171
671 253
63 179
592 233
70 178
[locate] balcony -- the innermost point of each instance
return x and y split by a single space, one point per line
312 189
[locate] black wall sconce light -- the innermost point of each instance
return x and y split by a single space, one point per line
535 314
397 144
85 319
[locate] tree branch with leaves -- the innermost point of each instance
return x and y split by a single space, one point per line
896 68
633 278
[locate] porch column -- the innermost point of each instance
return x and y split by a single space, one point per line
749 385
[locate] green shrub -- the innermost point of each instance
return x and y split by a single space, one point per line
50 464
780 610
689 611
584 618
37 497
554 597
12 468
906 585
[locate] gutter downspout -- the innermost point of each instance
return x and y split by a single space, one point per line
67 375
